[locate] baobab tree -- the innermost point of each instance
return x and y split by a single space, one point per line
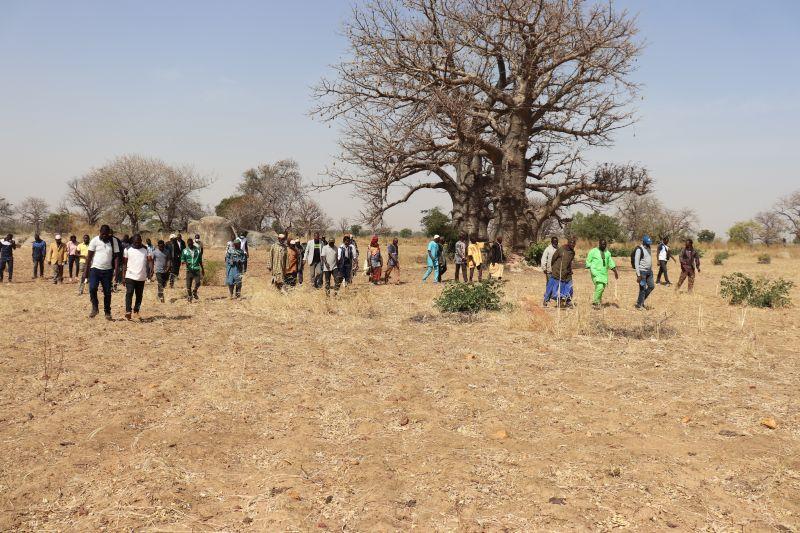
492 101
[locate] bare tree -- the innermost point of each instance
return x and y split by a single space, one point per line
788 207
343 225
646 215
131 181
492 101
309 217
175 201
88 195
770 227
33 211
6 215
276 189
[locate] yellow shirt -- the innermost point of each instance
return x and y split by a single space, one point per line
474 254
83 249
57 254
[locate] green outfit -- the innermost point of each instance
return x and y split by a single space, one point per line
599 263
192 258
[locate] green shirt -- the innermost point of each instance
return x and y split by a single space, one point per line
193 259
599 263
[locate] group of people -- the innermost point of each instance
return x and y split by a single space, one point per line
557 263
470 254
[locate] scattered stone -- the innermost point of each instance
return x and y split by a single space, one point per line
500 434
66 443
686 419
293 494
672 525
729 433
616 472
557 501
769 422
411 503
247 520
328 499
322 525
404 421
30 416
274 491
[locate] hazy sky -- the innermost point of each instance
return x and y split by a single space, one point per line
226 85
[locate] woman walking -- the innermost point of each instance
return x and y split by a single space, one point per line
375 260
235 260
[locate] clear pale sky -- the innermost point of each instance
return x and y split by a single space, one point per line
226 85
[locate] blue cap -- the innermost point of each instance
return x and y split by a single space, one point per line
647 240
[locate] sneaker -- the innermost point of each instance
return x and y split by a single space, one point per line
93 313
127 316
161 299
108 317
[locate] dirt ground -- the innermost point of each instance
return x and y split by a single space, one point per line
373 412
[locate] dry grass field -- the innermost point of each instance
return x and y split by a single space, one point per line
371 411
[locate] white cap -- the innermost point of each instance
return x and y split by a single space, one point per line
293 241
58 236
435 236
173 236
281 236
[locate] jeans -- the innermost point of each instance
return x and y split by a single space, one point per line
315 271
337 280
38 263
161 280
131 287
99 277
432 268
346 271
662 270
174 273
7 263
73 260
193 278
646 286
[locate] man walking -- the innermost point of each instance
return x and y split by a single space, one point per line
101 263
83 253
689 259
460 256
276 263
57 256
192 257
664 255
243 246
497 259
314 260
599 262
162 263
432 260
73 257
38 254
347 258
392 262
330 266
559 287
643 265
174 251
135 259
7 247
442 258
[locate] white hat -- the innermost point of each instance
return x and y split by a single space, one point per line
58 236
173 236
435 236
281 236
293 241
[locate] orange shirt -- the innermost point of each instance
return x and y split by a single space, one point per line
291 260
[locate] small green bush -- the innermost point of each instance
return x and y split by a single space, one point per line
471 298
620 251
213 272
740 289
764 259
720 257
533 255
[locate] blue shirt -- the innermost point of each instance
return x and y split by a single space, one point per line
39 249
433 252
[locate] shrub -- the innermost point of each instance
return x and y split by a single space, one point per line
742 232
764 259
595 226
405 233
706 236
533 255
720 257
471 298
213 272
620 251
740 289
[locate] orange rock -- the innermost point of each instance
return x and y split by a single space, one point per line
500 434
686 419
769 422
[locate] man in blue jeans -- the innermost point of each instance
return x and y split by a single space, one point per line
433 260
101 263
643 264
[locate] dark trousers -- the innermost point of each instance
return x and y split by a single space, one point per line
73 260
7 263
174 273
105 278
118 274
38 263
58 273
346 272
646 286
161 279
662 270
337 280
290 279
463 268
686 274
193 282
133 287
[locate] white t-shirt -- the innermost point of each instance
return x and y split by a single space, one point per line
137 263
103 252
662 252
